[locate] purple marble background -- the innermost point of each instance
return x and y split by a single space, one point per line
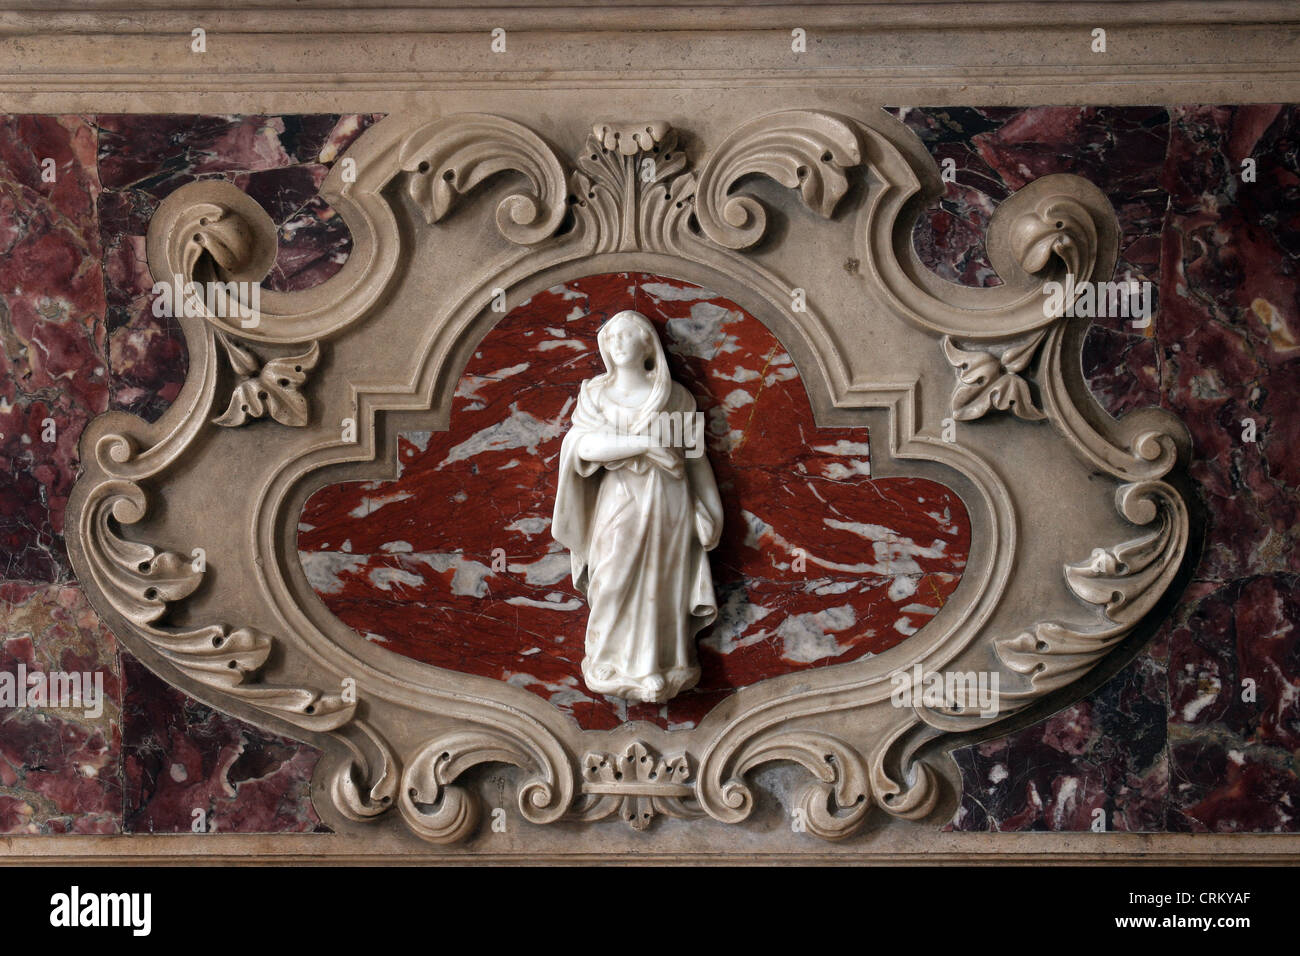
78 337
1168 744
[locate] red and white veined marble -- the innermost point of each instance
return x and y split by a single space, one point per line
409 563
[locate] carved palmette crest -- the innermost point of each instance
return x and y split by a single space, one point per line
230 618
631 182
638 784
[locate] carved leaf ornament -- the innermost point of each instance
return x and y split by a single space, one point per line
268 389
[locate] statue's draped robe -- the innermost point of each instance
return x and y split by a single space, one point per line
630 527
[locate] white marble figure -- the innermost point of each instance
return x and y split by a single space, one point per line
638 508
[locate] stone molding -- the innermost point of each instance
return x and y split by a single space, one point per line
136 56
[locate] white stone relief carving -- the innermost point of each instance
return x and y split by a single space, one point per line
637 506
631 189
397 323
447 159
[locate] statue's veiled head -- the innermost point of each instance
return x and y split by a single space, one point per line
629 344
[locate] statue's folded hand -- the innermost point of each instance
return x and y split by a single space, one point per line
663 457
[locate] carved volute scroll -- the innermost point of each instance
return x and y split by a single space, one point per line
804 216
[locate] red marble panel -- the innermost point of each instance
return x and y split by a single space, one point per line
819 564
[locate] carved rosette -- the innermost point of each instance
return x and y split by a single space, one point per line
401 739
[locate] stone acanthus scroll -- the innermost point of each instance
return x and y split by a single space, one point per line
805 218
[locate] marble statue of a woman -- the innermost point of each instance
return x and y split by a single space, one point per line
637 506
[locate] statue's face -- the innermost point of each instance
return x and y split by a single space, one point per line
628 345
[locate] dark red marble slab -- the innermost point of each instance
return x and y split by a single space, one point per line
182 757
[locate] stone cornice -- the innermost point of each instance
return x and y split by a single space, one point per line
137 56
122 17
